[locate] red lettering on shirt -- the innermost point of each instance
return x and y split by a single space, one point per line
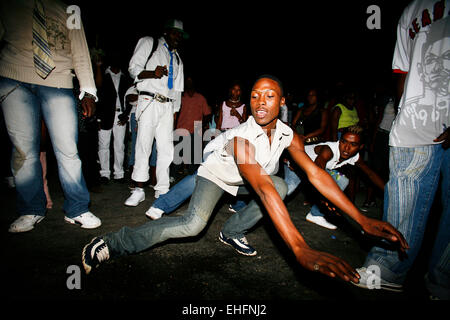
438 10
426 19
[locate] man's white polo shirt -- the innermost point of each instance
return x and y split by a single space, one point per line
221 168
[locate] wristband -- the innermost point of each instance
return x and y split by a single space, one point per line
90 96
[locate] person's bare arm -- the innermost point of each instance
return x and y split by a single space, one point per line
325 184
313 260
372 175
158 73
324 154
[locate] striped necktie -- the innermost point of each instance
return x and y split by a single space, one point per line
170 80
42 55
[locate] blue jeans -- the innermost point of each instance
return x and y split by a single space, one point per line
239 223
341 181
23 108
171 200
291 178
203 201
180 192
408 197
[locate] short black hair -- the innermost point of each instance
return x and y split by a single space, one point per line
271 77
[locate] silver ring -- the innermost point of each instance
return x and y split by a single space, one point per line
316 267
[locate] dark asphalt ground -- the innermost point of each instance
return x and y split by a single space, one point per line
38 265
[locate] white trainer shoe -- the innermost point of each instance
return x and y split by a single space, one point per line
86 220
137 196
321 221
370 280
154 213
25 223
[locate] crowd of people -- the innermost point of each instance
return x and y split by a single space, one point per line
259 146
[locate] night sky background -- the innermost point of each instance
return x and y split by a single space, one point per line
304 43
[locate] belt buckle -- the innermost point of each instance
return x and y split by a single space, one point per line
160 98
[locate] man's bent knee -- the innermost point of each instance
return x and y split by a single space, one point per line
194 226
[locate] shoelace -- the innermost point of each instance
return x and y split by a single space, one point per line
244 240
102 252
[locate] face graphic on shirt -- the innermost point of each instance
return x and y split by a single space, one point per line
265 101
435 67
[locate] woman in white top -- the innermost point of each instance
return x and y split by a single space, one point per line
233 111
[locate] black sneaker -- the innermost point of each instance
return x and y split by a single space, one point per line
94 253
367 205
240 245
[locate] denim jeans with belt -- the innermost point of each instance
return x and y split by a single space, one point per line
408 197
203 201
23 107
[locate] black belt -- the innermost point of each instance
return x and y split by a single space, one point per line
158 97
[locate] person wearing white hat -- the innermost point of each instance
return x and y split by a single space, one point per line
158 72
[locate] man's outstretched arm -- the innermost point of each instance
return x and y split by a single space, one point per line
313 260
325 184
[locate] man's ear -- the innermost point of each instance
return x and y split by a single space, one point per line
361 146
282 101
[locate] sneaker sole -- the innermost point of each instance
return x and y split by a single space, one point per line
133 205
382 287
152 217
243 253
87 268
71 221
319 224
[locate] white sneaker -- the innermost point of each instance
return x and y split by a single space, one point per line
371 280
137 196
154 213
87 220
25 223
321 221
158 193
